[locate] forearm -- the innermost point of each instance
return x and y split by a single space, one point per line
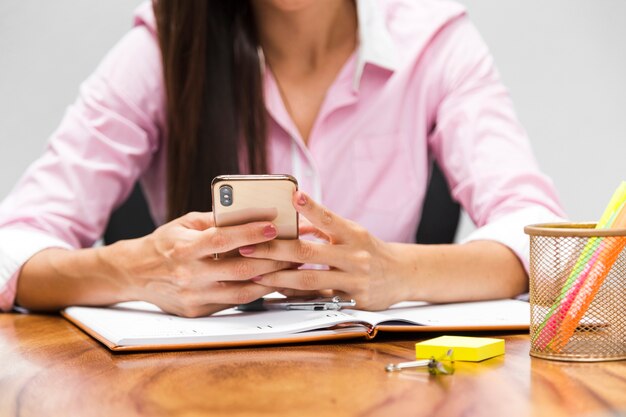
55 278
173 268
446 273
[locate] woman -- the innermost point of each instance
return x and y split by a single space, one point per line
352 98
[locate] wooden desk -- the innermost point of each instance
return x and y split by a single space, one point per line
49 367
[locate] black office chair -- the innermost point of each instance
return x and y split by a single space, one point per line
440 215
130 220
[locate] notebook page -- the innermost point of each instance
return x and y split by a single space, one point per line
470 314
139 323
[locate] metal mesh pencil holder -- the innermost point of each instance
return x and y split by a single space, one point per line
577 292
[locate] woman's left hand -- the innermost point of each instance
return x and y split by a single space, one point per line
360 265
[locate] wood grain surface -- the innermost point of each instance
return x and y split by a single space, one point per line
49 367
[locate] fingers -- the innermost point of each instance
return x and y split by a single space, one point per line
306 294
309 229
224 239
334 226
235 293
313 280
233 269
308 252
198 304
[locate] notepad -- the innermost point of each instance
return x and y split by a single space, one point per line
141 326
464 348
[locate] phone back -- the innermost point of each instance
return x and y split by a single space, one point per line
239 199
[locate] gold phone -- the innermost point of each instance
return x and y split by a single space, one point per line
239 199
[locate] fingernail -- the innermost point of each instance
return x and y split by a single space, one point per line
255 279
302 200
246 250
269 231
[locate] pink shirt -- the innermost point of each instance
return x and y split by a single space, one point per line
421 85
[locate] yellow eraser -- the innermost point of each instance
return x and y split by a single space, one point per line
464 348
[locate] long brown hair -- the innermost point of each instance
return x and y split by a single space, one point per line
215 107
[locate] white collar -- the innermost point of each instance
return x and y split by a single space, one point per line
375 43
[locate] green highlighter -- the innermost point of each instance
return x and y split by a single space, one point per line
465 348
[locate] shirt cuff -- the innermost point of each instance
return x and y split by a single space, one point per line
509 230
16 247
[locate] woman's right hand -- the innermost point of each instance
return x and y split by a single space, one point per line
174 267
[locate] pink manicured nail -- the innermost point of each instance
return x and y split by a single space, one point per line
246 250
255 279
302 200
269 231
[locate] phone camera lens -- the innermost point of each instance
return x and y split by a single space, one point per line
226 195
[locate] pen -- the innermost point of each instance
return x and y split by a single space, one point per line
314 304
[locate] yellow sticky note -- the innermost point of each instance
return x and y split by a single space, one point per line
465 348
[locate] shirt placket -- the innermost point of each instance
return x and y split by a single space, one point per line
303 164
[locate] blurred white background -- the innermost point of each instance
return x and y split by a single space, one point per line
563 60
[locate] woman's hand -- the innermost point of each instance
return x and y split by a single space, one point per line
175 269
360 265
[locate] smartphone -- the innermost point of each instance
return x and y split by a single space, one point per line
239 199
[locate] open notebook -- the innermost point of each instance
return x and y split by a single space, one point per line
142 326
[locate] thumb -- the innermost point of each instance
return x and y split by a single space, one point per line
197 220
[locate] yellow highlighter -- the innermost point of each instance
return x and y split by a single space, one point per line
465 348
